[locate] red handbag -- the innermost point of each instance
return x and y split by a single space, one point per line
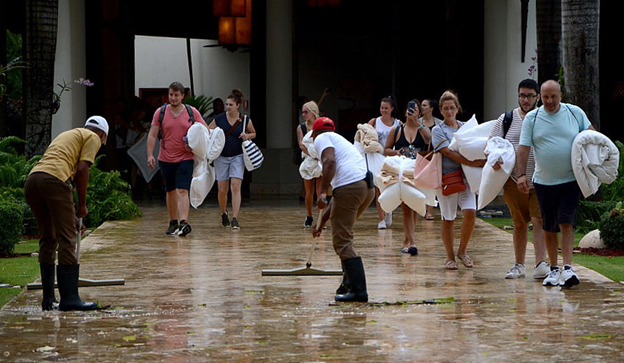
453 182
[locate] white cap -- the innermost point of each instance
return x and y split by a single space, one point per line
98 122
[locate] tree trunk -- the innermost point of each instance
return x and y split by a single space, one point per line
580 29
548 22
41 27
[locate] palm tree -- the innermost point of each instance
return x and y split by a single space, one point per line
548 22
580 29
41 27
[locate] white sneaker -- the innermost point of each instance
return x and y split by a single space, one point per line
568 277
388 219
516 271
541 270
553 278
382 224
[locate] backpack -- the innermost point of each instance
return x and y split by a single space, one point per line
161 117
507 122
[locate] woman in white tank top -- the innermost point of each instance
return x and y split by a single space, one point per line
383 124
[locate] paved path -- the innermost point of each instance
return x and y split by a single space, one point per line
203 298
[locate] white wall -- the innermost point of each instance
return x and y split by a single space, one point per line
503 69
70 65
216 71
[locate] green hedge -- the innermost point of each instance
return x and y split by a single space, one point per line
11 226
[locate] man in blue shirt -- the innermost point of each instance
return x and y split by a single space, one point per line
551 130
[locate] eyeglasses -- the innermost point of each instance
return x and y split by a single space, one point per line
528 97
304 112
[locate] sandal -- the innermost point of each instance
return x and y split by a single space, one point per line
429 217
465 259
450 265
412 250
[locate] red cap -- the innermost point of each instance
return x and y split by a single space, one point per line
323 123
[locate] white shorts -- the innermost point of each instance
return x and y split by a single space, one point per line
227 167
449 203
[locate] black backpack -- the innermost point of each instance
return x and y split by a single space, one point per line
507 122
161 117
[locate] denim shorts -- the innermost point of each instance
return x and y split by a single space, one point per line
177 175
227 167
558 204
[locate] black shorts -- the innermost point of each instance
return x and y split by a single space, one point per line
177 175
558 204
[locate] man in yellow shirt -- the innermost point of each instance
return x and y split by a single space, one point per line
49 193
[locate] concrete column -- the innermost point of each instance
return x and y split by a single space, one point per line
502 41
70 65
279 73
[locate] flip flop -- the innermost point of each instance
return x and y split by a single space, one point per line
450 265
429 217
465 259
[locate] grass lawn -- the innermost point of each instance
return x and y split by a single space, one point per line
609 266
18 271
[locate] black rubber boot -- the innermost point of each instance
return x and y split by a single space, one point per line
344 286
47 282
67 277
354 269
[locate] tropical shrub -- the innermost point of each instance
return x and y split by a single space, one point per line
615 190
109 197
10 226
612 228
202 103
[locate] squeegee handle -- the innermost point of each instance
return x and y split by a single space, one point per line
318 220
78 238
318 225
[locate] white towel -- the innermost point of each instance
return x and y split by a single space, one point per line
595 160
492 181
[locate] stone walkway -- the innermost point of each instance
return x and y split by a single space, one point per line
203 298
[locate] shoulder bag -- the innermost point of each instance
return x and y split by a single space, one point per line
251 152
428 169
453 182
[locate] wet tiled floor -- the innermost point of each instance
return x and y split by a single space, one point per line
203 298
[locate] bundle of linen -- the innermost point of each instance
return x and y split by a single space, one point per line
203 173
498 150
470 141
366 141
595 160
311 166
216 142
396 183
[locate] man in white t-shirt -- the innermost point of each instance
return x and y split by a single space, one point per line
551 130
345 170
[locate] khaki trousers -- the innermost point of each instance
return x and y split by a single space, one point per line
348 203
52 203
